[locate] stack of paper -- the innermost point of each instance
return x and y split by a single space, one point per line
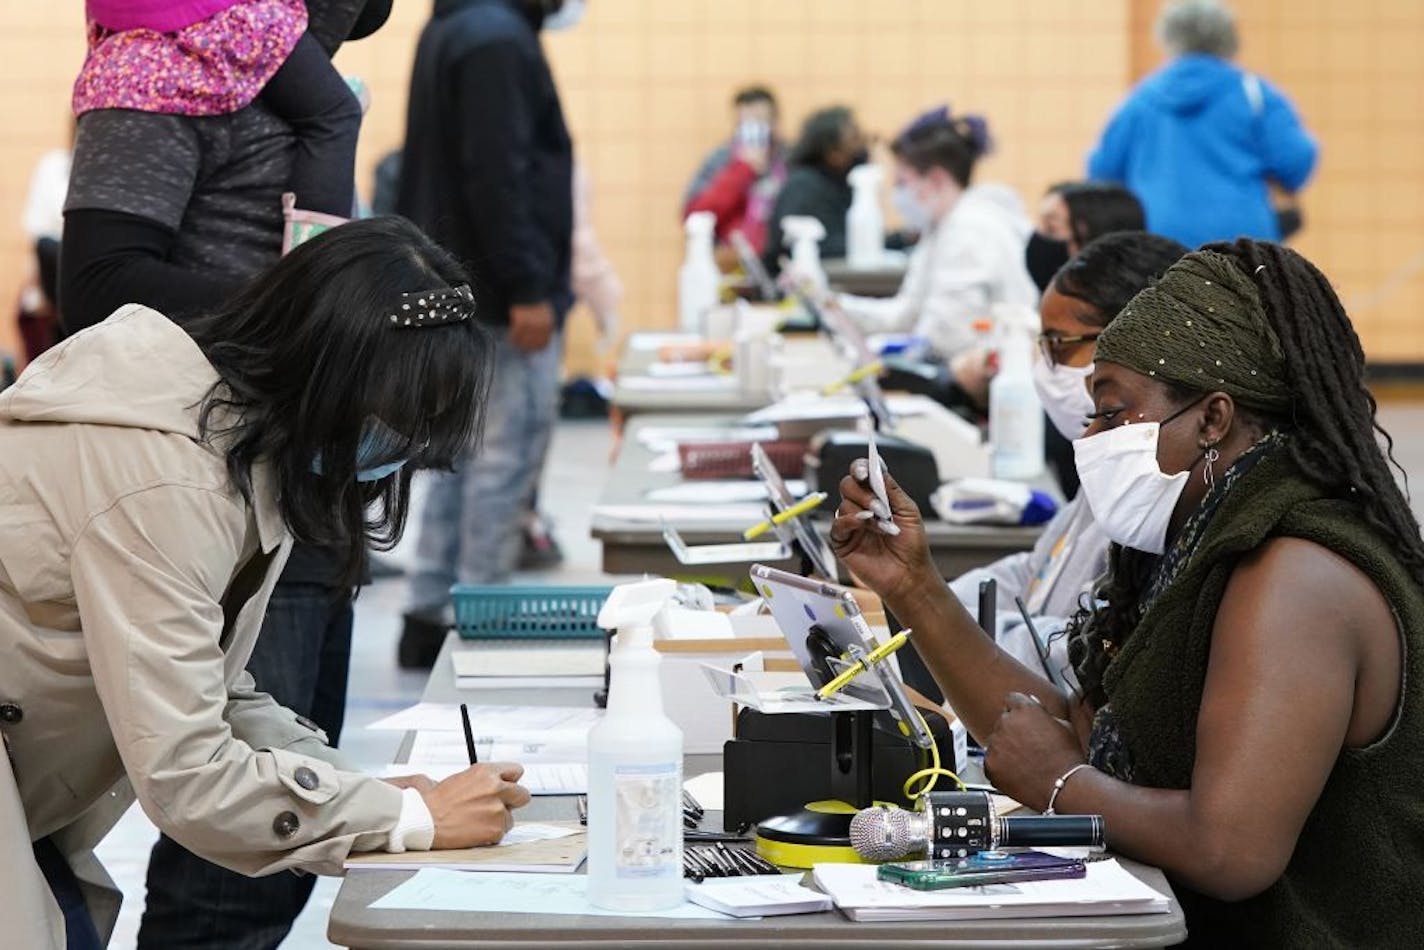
553 848
520 664
758 896
1108 889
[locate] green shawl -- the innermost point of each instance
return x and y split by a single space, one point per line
1357 875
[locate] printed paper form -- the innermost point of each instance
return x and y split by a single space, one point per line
491 722
512 893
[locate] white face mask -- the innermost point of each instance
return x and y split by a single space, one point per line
1063 390
910 208
1130 497
566 17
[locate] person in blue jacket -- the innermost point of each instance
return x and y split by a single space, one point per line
1202 142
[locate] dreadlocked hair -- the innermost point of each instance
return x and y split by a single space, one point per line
1333 442
1334 422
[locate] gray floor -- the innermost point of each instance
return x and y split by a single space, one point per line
577 467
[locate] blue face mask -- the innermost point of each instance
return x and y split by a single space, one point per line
377 440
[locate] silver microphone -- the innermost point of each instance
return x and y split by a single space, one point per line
958 824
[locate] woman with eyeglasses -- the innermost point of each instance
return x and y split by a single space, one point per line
1249 715
1072 552
152 481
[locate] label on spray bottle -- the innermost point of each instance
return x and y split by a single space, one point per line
647 823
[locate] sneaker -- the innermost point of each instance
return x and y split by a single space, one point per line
422 635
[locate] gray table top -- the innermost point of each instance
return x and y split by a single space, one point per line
354 924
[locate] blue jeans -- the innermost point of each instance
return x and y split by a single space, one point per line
301 659
471 525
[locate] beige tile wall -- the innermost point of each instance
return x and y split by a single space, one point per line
646 84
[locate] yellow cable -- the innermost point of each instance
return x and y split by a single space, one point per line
931 774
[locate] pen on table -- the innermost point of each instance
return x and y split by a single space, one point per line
469 734
581 803
810 503
873 368
855 669
1038 645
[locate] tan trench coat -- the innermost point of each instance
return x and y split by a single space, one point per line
125 627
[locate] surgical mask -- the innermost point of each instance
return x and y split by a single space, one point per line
1043 257
910 208
1132 500
566 17
377 443
1063 390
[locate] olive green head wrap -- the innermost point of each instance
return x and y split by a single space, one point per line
1202 326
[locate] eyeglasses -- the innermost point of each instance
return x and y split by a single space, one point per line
1049 344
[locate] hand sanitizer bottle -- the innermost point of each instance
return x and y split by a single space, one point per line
865 225
635 767
805 234
1015 414
699 279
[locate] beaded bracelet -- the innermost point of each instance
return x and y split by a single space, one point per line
1058 786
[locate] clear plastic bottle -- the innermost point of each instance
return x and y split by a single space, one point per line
635 786
865 224
699 279
1015 414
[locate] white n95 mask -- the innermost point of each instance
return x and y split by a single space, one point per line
1063 390
1131 499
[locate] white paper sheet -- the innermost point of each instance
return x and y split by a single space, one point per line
554 778
668 438
490 722
732 516
757 896
448 748
505 893
709 789
533 831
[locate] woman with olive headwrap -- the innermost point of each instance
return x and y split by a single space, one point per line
1251 718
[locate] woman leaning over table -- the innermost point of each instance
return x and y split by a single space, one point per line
151 483
1251 717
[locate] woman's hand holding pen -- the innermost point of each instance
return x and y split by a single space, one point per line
475 807
894 566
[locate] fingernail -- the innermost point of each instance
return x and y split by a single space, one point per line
864 515
860 470
889 527
882 510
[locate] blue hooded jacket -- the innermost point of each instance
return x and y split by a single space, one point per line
1197 151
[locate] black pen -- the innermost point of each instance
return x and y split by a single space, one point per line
469 734
1038 645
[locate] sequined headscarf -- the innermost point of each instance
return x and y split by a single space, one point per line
1202 326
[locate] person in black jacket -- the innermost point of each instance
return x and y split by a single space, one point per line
487 172
831 144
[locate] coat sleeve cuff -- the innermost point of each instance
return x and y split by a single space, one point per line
415 828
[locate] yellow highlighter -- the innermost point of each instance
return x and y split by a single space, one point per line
858 667
809 503
874 368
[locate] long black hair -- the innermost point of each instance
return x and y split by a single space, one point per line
1335 439
307 355
822 133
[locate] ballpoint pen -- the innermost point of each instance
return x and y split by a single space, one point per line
810 503
883 516
843 679
469 734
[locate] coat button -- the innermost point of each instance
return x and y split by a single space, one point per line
306 778
286 824
11 713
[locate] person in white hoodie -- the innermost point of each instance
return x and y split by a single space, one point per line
970 256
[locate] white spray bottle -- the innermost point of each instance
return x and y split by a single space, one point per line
699 278
1015 414
865 224
805 234
635 766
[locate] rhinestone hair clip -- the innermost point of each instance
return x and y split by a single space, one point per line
435 307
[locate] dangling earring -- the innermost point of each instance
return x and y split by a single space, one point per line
1209 473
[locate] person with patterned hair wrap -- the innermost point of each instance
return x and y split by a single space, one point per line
1250 716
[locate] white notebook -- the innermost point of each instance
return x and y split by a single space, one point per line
1108 889
761 896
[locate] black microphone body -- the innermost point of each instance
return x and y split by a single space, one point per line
951 825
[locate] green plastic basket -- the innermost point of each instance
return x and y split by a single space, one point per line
534 613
